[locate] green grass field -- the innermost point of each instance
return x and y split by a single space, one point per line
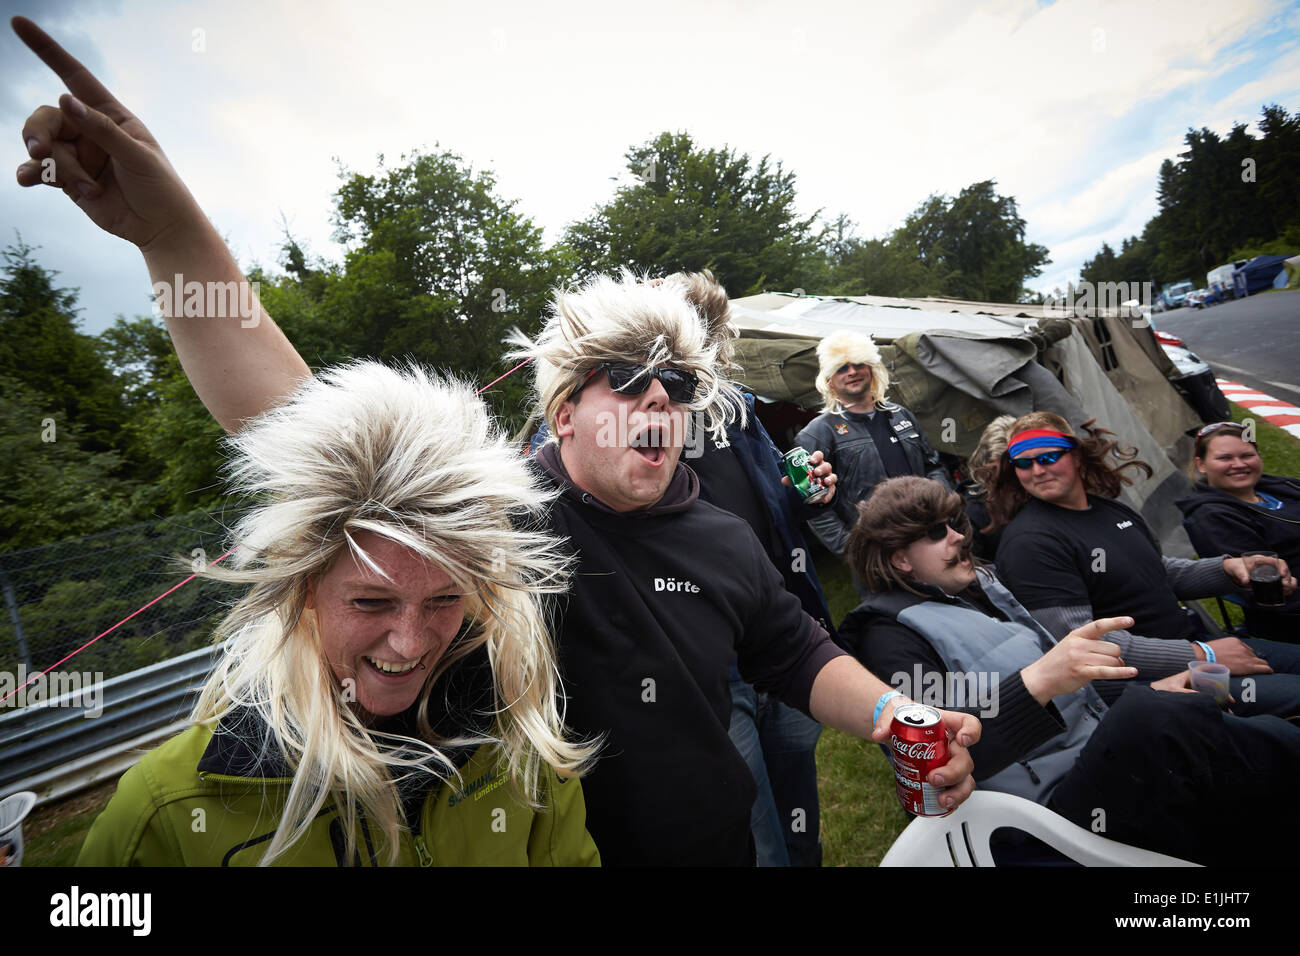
859 811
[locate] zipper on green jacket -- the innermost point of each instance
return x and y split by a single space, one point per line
426 859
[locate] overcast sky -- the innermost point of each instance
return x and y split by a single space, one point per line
1071 107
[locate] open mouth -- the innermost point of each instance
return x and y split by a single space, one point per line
391 669
649 444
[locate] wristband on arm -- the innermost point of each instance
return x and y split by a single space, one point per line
880 705
1209 651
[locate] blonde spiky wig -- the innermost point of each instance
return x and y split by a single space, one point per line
626 320
840 348
416 459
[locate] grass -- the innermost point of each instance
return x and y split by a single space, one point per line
53 834
860 813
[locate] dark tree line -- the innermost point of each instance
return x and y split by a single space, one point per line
437 268
1223 199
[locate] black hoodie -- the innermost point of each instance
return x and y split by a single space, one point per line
663 600
1218 523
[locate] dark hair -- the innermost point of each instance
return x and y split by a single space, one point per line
899 511
1100 477
1204 438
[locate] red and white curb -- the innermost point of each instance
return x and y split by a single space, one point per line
1273 410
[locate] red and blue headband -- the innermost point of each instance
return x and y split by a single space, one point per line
1038 438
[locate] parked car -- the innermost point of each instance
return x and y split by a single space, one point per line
1195 379
1175 294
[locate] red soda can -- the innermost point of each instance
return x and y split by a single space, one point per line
919 744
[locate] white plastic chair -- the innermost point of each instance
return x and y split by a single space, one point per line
962 837
13 810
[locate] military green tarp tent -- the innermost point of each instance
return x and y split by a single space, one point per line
958 365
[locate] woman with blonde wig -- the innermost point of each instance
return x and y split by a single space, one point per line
388 692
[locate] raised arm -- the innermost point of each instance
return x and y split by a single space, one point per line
107 162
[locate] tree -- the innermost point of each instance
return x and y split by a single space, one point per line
50 486
1221 197
438 269
969 247
978 239
695 208
41 347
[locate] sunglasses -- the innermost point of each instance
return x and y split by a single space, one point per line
1045 459
1208 429
937 532
848 365
628 378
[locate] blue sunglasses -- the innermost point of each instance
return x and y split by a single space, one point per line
1045 459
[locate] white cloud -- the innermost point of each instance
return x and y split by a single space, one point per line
873 108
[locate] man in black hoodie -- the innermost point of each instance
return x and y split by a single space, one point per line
669 589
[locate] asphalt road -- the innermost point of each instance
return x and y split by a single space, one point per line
1254 341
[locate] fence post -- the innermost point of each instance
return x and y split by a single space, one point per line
12 604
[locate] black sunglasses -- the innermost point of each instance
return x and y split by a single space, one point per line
1045 459
848 365
628 378
937 532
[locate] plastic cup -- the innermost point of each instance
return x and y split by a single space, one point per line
1210 679
1265 578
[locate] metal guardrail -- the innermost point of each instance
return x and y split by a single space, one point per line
54 748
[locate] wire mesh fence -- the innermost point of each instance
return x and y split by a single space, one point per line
57 597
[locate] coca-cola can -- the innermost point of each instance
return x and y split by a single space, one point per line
918 744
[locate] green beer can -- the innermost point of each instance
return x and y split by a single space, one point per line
800 473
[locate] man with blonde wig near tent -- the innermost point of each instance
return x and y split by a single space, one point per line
389 661
666 591
669 589
865 438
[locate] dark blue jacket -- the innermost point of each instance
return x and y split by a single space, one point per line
761 460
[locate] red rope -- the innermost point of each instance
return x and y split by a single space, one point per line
113 628
192 577
511 372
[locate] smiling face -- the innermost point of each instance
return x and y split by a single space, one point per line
942 564
852 383
621 448
1057 484
385 635
1231 465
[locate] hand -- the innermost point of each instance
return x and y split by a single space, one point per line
1180 683
955 775
103 158
1079 657
1237 569
822 469
1240 659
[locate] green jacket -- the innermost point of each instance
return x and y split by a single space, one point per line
172 809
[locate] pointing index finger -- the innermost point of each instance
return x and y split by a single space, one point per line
79 80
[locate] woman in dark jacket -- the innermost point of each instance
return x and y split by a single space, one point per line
1236 508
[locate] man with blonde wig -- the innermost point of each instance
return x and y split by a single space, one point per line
865 438
390 659
669 590
666 591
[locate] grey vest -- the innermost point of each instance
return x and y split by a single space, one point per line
971 642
